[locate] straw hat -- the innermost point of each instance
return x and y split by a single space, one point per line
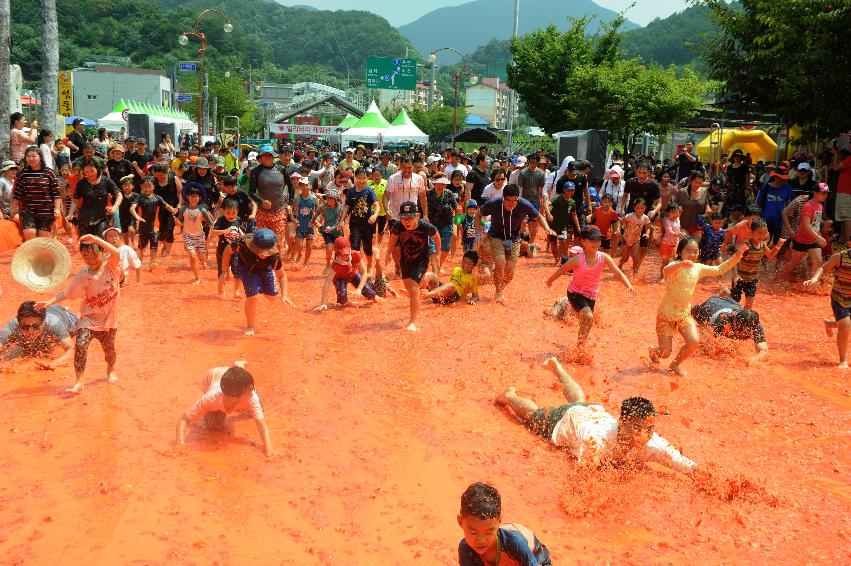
41 264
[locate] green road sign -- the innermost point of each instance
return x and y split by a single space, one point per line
391 73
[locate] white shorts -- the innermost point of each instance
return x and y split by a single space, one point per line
843 207
195 243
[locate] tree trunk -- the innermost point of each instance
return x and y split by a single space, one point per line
5 79
50 66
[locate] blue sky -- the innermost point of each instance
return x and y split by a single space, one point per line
401 13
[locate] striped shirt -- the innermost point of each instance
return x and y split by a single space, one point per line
36 191
841 292
751 262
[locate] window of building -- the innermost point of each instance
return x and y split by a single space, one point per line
91 96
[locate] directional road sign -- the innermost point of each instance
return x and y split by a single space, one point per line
187 66
391 73
184 97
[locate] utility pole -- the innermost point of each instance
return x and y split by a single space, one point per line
216 116
511 93
206 117
431 87
50 66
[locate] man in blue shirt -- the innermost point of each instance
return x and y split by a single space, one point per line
772 198
507 214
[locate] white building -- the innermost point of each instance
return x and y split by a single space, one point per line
489 99
99 89
395 100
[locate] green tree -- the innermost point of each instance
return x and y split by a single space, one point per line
437 122
785 57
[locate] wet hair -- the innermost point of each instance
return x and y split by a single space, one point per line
607 196
473 256
682 244
158 168
481 501
759 223
716 216
638 201
637 408
147 180
456 173
193 191
236 381
230 203
28 310
89 247
511 191
641 165
228 181
696 174
91 162
405 159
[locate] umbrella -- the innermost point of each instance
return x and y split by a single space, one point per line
476 135
86 121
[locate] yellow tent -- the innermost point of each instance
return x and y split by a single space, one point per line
755 142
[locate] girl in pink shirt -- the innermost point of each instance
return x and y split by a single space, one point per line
587 269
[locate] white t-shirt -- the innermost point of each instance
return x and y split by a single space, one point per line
128 259
402 190
512 177
213 398
590 427
490 192
99 290
616 191
449 169
47 156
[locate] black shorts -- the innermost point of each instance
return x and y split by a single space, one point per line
220 252
746 287
381 225
606 244
96 229
644 242
450 300
127 224
360 235
31 222
799 247
149 238
579 301
414 271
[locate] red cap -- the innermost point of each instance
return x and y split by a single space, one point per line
615 175
342 245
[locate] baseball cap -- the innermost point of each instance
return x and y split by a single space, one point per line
432 159
130 139
615 175
105 232
296 176
264 238
822 188
299 155
804 166
202 163
303 180
328 156
332 193
266 149
118 147
342 245
574 166
142 141
590 232
8 164
77 121
408 210
350 150
472 204
569 186
252 156
219 162
781 172
440 180
521 160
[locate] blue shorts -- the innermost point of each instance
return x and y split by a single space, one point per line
256 282
839 312
305 233
341 284
534 217
445 240
329 238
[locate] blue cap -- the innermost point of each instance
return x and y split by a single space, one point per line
264 238
265 149
472 204
569 186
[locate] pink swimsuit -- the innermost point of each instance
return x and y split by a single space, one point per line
586 280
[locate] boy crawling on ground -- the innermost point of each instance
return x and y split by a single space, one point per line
463 284
487 541
228 390
594 436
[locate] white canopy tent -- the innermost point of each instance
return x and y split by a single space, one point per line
369 129
114 121
403 130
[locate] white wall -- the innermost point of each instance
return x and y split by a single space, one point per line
97 93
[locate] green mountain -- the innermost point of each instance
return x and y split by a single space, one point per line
473 24
315 44
675 40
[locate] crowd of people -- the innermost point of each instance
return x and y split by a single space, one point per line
447 224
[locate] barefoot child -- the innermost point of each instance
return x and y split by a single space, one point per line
227 390
305 205
636 231
145 211
607 220
840 299
674 314
489 541
713 238
463 284
745 279
587 270
329 219
561 214
807 239
260 269
591 434
129 259
347 267
192 216
125 218
227 229
671 234
379 281
412 233
98 284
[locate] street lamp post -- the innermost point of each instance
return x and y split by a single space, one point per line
202 37
456 80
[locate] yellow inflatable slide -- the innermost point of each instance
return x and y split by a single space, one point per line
756 142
